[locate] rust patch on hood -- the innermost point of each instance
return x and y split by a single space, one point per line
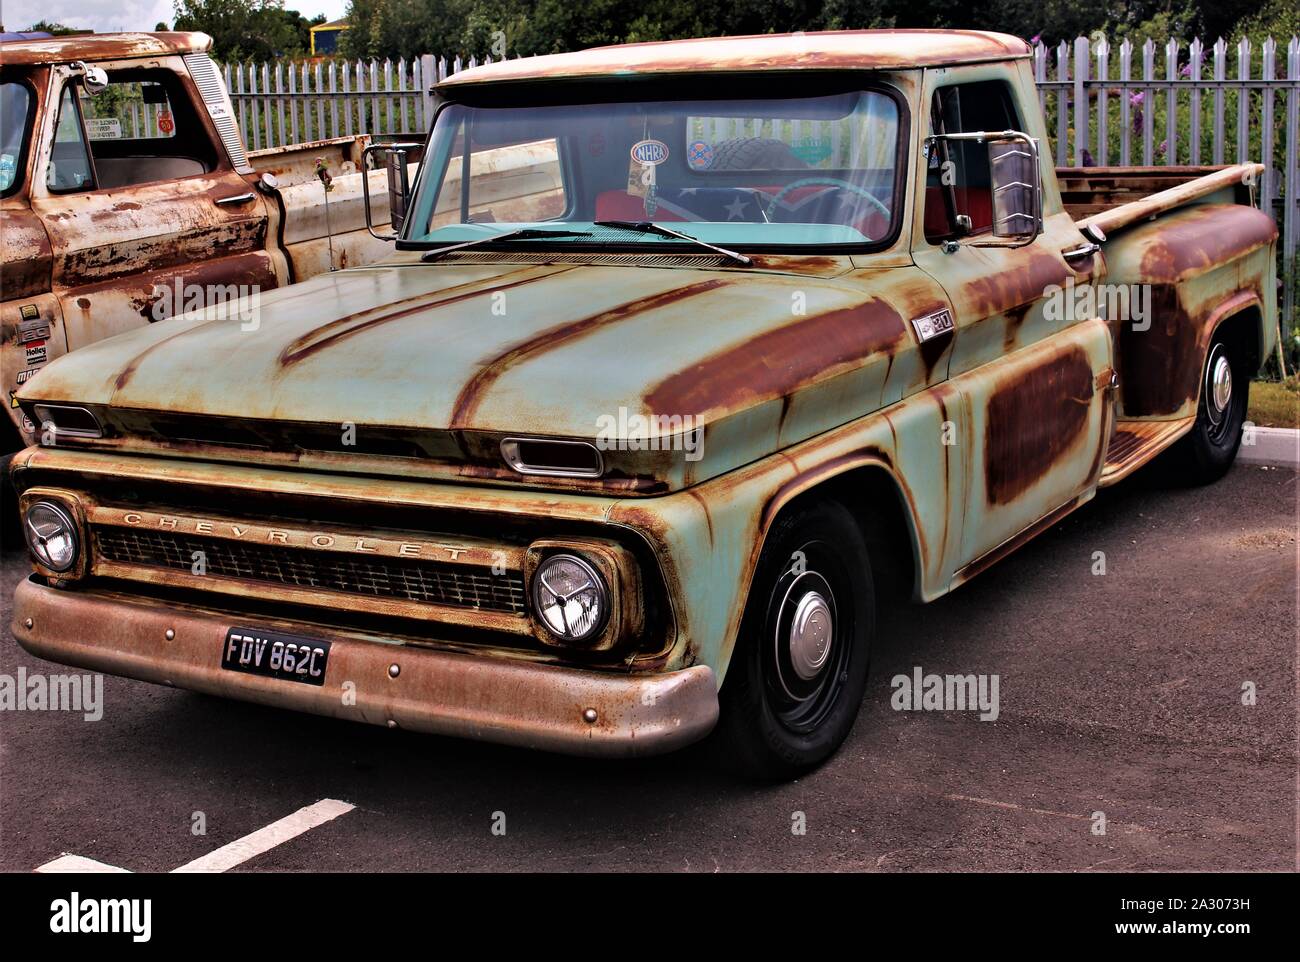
781 361
490 372
338 330
1029 428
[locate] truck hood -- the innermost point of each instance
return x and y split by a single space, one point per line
762 359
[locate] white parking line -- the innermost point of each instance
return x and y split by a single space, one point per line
228 856
78 864
264 839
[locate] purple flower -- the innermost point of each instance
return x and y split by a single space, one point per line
1033 41
1186 70
1137 98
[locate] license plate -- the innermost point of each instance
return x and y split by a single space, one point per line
256 651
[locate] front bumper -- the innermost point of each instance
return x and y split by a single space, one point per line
473 696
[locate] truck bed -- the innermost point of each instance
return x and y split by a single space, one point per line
1115 197
1191 239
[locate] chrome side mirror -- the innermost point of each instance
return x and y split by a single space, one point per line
399 188
1015 184
93 79
1016 188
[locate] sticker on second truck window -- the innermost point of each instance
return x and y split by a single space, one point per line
103 128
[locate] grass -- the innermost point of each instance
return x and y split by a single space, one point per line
1275 404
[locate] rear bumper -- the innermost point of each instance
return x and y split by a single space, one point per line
445 693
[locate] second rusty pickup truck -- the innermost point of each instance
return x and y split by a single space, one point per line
127 196
806 322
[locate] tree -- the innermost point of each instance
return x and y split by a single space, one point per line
243 29
46 26
404 28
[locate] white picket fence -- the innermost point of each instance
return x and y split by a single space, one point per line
1151 104
293 103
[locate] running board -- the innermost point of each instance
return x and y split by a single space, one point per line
1137 442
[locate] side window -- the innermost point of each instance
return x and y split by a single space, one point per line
140 129
958 201
128 110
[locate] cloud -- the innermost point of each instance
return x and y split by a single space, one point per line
97 15
108 16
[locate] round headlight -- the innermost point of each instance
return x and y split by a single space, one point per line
51 535
570 598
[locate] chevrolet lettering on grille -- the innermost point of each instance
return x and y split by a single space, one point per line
296 538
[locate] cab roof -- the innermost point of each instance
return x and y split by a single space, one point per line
101 46
826 50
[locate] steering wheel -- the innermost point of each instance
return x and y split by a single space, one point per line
826 182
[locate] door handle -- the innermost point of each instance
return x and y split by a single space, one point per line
235 199
1083 250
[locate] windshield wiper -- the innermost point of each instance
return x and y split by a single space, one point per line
524 233
650 227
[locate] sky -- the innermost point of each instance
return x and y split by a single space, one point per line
104 16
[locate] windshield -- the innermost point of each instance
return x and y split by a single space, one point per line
15 106
776 172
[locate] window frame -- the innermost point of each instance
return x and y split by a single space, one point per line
1016 122
728 87
24 155
93 184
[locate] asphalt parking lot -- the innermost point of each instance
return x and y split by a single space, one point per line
1119 693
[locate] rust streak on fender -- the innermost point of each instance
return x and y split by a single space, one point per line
1205 237
781 361
1005 291
1026 431
470 396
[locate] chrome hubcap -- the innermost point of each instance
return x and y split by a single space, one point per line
811 631
1220 386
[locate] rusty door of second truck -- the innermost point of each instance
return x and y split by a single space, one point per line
118 250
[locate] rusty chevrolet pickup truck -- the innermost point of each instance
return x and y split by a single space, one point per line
804 326
126 196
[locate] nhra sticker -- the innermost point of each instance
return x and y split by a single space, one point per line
699 155
649 153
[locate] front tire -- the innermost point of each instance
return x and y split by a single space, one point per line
1205 453
797 676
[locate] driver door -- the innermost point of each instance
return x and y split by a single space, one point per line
1030 358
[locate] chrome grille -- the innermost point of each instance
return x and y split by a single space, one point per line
428 582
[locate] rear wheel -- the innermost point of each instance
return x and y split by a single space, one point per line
1206 452
796 679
